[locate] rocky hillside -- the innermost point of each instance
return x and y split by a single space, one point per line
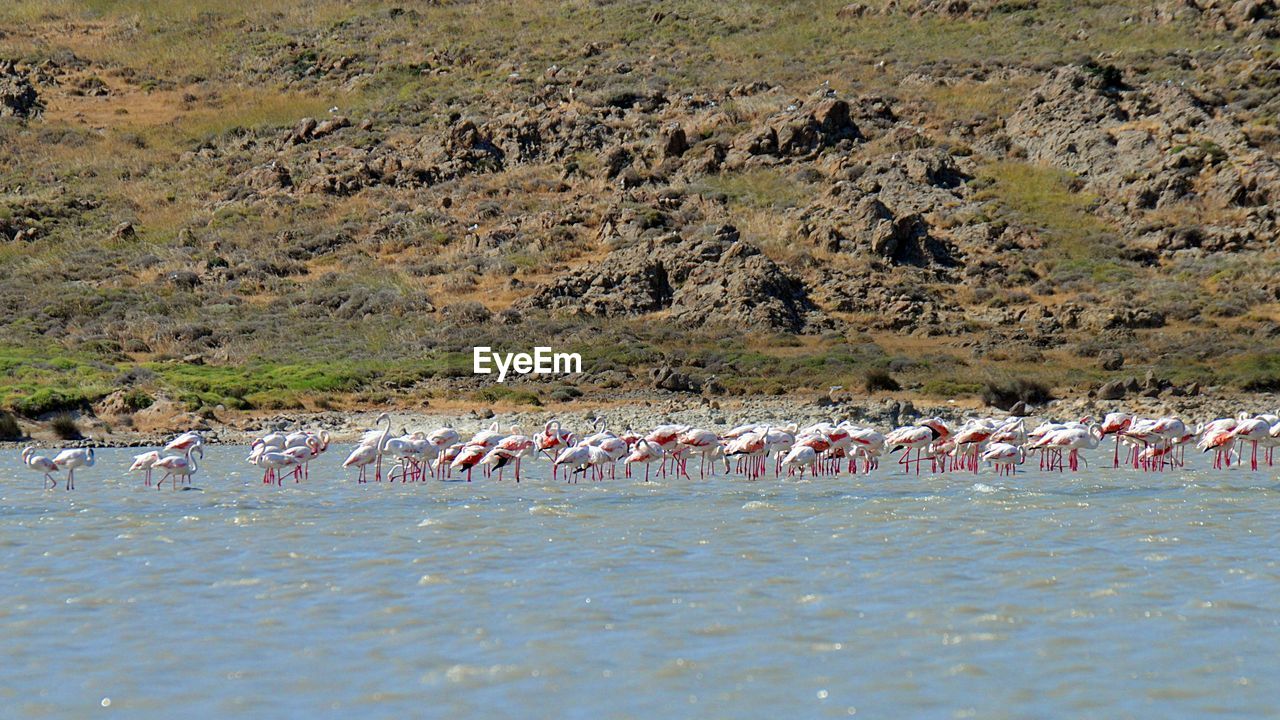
292 206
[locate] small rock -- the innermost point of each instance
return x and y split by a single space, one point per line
1111 360
673 142
124 231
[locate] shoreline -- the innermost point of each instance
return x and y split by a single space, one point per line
638 411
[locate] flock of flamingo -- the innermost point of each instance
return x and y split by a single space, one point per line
753 450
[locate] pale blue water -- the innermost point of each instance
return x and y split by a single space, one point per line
1111 594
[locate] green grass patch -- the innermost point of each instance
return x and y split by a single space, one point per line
515 396
950 387
1258 372
1044 198
762 188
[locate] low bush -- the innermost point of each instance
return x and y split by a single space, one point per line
48 400
565 393
879 380
9 428
65 427
1005 395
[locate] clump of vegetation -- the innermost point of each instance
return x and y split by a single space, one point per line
1258 373
65 427
950 387
1111 76
565 393
9 428
500 393
48 400
138 400
880 381
1005 395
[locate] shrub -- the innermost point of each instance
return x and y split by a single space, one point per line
9 428
1112 77
566 393
48 400
1007 394
949 387
1258 373
497 393
468 312
879 380
138 400
65 427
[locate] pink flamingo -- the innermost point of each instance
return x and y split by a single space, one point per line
183 466
645 453
143 463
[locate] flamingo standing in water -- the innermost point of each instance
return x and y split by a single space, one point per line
666 438
578 457
469 456
510 449
362 457
753 448
71 460
704 443
176 466
968 442
1115 424
41 464
438 441
1218 436
1273 438
1252 431
868 444
800 457
143 464
910 438
276 462
302 456
408 449
814 439
377 441
1072 440
645 453
1004 457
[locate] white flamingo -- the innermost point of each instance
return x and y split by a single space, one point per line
41 464
72 459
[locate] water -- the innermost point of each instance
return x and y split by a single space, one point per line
1110 594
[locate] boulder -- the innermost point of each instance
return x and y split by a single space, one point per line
1111 360
668 378
1114 390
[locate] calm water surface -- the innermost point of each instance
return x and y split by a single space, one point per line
1110 594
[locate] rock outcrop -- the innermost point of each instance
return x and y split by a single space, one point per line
18 98
718 281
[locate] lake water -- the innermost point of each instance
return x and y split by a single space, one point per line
1109 594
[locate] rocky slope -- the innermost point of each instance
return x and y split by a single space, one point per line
1001 189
